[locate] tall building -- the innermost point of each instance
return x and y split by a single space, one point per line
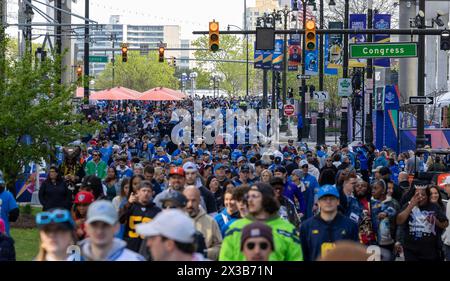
183 61
261 6
116 33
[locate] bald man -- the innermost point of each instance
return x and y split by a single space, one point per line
203 223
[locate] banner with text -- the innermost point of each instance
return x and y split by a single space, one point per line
277 57
357 21
258 58
382 21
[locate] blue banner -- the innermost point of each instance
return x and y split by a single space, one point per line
391 98
326 53
357 21
277 57
258 58
311 60
267 60
382 21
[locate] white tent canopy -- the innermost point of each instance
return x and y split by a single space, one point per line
443 100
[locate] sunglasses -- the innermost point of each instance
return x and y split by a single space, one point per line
262 245
57 216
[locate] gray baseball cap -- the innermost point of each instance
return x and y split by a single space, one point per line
103 211
173 224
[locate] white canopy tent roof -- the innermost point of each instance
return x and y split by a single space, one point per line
443 100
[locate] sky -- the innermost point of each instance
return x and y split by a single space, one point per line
189 14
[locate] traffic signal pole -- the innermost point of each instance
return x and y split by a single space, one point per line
303 91
86 52
344 106
321 119
369 124
420 138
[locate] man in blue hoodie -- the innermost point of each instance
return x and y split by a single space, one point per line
319 234
291 190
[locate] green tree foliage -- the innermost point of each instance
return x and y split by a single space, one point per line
34 103
139 73
233 74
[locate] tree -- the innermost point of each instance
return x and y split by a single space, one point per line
139 73
36 113
233 74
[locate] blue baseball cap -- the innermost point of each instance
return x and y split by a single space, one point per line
218 166
328 190
163 160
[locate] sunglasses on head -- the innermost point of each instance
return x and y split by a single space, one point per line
262 245
57 216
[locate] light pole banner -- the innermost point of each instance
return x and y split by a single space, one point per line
357 21
295 53
335 53
267 60
258 58
382 21
311 60
326 59
277 57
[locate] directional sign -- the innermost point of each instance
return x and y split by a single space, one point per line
383 50
300 76
421 100
101 59
345 87
321 96
289 110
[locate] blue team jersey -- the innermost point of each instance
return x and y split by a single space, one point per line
7 203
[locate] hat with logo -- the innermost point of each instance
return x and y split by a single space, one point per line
190 167
176 171
102 210
84 197
218 166
256 230
244 168
328 190
173 224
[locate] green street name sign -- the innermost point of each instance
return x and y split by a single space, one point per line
103 59
383 50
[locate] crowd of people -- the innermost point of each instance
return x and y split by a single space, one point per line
130 193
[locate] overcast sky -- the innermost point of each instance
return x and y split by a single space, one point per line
189 14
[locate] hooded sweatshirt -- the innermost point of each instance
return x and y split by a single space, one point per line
118 252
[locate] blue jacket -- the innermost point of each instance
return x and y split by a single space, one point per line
380 161
318 236
312 187
395 171
291 191
223 219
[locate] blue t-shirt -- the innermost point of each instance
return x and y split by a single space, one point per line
7 203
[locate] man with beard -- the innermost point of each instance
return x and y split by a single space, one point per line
176 183
203 223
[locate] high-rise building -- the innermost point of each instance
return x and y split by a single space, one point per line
115 33
261 6
183 61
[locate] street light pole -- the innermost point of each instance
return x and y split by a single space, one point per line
303 92
369 95
420 138
86 52
246 38
344 125
321 120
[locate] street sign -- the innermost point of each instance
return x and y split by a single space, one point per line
345 87
321 96
301 76
421 100
289 110
383 50
101 59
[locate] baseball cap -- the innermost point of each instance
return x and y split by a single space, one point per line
162 160
297 172
174 196
176 171
327 190
280 169
103 211
265 189
445 181
257 229
173 224
218 166
84 197
303 163
190 167
242 158
244 168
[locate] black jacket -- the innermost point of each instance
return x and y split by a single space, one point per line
210 200
55 195
7 250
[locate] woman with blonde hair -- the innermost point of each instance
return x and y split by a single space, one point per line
57 235
266 176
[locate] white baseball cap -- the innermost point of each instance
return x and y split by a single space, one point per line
190 167
172 223
303 163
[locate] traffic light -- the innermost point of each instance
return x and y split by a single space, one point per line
174 61
161 53
79 71
445 40
124 52
213 36
310 34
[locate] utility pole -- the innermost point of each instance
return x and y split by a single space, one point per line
420 138
344 110
303 92
369 91
86 52
246 38
321 120
284 125
27 31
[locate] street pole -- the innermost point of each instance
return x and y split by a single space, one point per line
284 125
274 73
246 38
344 125
303 92
58 32
265 88
369 95
420 139
86 52
321 120
3 21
